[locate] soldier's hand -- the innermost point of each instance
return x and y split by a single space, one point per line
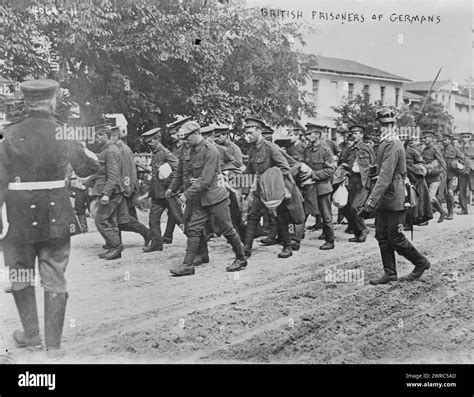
182 199
366 210
168 193
104 200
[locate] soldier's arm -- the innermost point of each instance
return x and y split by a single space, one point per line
440 158
328 169
177 180
211 161
82 163
171 159
389 162
112 161
279 160
238 156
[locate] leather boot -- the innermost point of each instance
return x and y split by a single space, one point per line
438 207
25 300
249 235
112 253
237 265
167 240
237 246
200 259
417 272
146 236
386 278
154 246
327 246
361 237
187 268
268 241
54 313
295 245
83 223
285 253
450 216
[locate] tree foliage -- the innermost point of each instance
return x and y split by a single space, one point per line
152 60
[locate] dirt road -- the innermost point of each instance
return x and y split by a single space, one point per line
316 307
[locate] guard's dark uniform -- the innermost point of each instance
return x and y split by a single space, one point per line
466 180
33 167
388 197
206 197
431 155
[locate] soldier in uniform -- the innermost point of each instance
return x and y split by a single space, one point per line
108 207
435 165
128 170
297 147
452 157
33 164
359 158
387 199
202 190
159 201
319 157
464 179
262 156
221 136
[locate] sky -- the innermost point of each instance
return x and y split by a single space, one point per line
416 55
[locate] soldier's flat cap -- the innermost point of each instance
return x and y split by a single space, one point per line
39 90
314 127
208 129
188 128
447 135
355 128
427 133
152 133
465 135
253 122
283 141
222 129
179 122
267 130
104 129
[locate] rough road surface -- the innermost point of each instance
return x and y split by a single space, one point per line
305 309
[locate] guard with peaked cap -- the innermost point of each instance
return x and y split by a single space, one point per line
40 215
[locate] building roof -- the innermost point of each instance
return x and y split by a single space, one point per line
346 66
411 96
425 85
462 100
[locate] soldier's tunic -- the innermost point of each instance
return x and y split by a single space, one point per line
235 151
33 166
360 155
451 154
296 151
262 156
388 197
466 180
108 181
206 197
157 193
320 159
430 155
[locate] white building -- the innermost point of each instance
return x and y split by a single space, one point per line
445 92
334 80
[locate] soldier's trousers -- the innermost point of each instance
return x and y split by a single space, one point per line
450 182
357 196
389 234
131 223
463 192
158 206
107 218
253 220
53 257
324 204
82 201
198 220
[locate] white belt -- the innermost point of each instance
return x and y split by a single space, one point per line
37 185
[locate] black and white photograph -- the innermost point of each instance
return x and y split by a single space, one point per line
237 182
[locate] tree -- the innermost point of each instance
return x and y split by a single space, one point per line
433 117
358 111
152 60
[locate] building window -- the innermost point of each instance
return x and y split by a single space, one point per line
350 94
365 90
315 90
442 98
397 96
382 94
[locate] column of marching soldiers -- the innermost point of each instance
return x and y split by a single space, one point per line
202 182
206 189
